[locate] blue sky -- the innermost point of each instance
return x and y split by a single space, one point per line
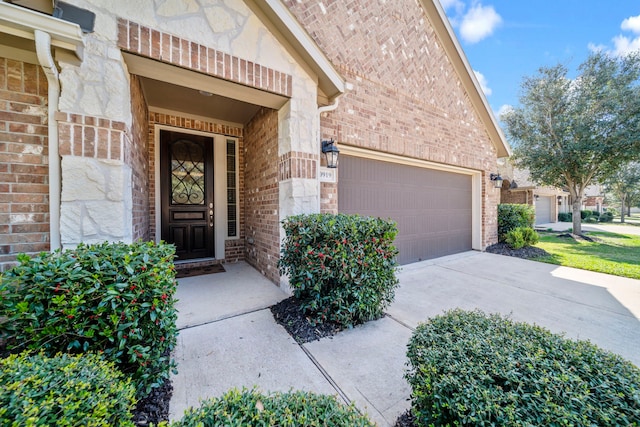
506 40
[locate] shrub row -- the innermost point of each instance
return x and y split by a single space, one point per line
511 216
468 368
587 216
112 298
65 390
342 267
251 408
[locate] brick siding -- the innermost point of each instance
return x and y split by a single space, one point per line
24 171
164 47
297 165
261 193
92 137
139 161
406 97
517 197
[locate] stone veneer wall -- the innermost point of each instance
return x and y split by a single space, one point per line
407 98
96 200
261 204
24 189
234 248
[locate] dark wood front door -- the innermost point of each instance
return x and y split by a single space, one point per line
187 193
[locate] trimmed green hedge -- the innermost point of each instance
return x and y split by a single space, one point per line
251 408
65 390
468 368
112 298
342 267
512 216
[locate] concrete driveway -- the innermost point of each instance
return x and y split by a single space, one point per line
366 364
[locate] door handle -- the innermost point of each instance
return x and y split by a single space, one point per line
211 215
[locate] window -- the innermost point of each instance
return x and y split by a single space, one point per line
232 189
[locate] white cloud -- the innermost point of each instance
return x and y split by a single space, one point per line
625 45
504 110
457 5
622 45
479 22
632 24
484 84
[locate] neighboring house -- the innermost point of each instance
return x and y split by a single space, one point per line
200 123
518 187
593 198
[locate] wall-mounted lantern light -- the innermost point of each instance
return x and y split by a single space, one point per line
331 152
497 180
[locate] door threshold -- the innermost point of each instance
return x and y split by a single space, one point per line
197 262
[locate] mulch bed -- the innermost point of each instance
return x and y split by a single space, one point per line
289 314
155 407
528 252
406 420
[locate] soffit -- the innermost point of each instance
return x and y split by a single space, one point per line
169 87
167 96
456 55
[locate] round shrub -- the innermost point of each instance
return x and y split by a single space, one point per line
511 216
522 236
251 408
606 216
65 390
469 368
342 267
112 298
515 238
586 214
565 217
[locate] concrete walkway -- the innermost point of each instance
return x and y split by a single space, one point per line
630 228
238 344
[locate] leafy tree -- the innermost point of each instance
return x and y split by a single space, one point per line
570 133
624 185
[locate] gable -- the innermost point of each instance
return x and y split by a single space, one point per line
404 45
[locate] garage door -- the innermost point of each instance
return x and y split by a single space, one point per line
543 210
432 207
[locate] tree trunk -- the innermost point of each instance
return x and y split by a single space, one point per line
577 219
622 210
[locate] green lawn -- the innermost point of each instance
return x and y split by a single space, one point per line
611 253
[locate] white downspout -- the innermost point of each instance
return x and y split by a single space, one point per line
43 51
321 110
